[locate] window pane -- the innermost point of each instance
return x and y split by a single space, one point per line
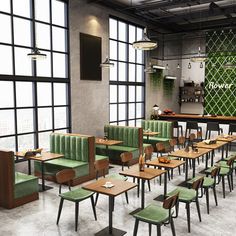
122 111
60 116
24 94
131 93
132 72
132 123
131 33
122 71
140 73
7 124
25 142
122 31
22 7
113 72
139 110
42 10
25 120
44 66
122 93
8 143
113 28
23 64
113 112
59 65
5 5
113 50
45 118
43 36
59 16
122 52
60 94
139 33
44 91
138 123
140 93
59 39
131 53
44 141
6 60
113 93
139 56
131 110
22 31
122 123
5 26
6 94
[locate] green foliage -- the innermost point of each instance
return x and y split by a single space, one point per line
168 87
156 78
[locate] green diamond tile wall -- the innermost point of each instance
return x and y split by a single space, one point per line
220 83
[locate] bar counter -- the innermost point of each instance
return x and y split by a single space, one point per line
199 118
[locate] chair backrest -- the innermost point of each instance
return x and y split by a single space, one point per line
192 137
214 126
181 140
232 128
171 201
215 171
197 183
230 162
160 147
192 125
101 166
126 157
65 176
173 143
148 152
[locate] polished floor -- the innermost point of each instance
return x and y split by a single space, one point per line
39 217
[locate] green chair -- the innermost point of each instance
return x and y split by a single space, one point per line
188 196
207 184
158 215
76 196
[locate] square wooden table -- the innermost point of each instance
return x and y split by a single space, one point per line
150 133
107 142
45 156
119 187
192 156
226 138
167 166
147 174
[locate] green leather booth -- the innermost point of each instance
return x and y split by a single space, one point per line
132 141
79 154
15 188
164 127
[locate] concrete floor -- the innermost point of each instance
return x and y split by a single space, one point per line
39 217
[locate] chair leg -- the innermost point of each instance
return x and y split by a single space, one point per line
158 230
59 210
232 181
127 198
172 226
60 189
207 200
223 185
93 206
228 177
96 199
136 227
215 196
149 186
150 229
188 216
76 215
198 210
179 170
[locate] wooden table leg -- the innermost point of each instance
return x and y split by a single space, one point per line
186 169
165 184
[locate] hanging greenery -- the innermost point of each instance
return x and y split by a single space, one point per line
156 78
168 87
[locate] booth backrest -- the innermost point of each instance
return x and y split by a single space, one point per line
131 136
73 147
164 127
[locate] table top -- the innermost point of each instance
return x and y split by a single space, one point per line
45 156
108 142
226 138
150 133
120 186
173 163
216 145
190 155
147 174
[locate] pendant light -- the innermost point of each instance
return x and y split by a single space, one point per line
189 65
107 63
201 65
201 57
145 43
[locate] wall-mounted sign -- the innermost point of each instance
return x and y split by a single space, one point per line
213 85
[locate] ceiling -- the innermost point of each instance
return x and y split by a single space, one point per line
174 16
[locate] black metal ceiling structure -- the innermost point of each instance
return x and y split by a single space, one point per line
177 16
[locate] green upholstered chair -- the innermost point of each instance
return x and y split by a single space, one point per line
208 183
158 215
76 196
188 196
101 167
65 176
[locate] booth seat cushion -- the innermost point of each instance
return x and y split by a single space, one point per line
81 168
100 157
24 185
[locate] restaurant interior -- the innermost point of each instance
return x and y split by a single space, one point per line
117 117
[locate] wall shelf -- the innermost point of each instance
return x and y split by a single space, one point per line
191 94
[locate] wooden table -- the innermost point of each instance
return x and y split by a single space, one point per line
228 139
120 187
192 156
45 156
147 174
150 133
107 142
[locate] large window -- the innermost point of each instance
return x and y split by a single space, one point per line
127 85
34 95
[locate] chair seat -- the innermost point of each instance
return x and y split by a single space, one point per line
117 176
76 195
185 194
223 170
153 214
208 182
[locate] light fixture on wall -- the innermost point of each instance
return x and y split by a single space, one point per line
201 57
189 65
107 63
178 66
167 67
145 43
201 65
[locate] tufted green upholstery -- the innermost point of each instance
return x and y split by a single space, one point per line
185 195
164 127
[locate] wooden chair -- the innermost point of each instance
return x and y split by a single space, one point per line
181 142
148 153
65 176
126 157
